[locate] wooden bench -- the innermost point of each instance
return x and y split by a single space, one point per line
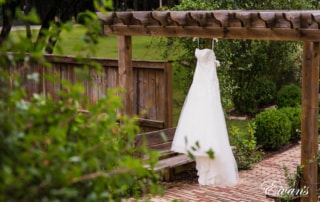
170 162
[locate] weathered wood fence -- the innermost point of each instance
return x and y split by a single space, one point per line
152 84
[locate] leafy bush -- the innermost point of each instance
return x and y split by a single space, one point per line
288 96
245 101
266 92
51 152
249 97
253 64
273 129
294 115
246 152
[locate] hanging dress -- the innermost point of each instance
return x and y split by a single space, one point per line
202 127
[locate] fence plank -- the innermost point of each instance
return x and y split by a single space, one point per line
159 94
142 86
151 95
151 84
168 92
52 84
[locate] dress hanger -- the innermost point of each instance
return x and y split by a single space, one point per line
214 40
197 38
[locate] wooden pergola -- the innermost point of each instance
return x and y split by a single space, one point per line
234 24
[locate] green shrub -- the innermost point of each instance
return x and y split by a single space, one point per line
273 129
245 101
294 115
289 96
52 152
266 92
248 98
246 152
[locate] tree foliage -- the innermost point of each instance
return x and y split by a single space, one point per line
254 64
48 14
51 151
245 64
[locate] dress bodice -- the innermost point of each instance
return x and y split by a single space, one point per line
206 66
205 55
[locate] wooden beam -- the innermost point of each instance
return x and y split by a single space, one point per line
151 123
309 125
254 25
278 34
126 72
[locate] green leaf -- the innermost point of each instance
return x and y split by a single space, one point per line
210 154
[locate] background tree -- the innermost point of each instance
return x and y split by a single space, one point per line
252 71
51 13
260 68
8 13
142 5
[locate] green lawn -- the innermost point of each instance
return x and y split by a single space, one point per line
144 48
241 124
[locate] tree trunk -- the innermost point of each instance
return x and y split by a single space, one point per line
135 5
26 10
8 14
45 24
67 12
145 5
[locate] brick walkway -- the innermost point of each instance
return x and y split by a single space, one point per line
249 188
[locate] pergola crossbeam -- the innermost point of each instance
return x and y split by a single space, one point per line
254 25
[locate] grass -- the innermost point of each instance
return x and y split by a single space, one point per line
144 48
241 124
70 43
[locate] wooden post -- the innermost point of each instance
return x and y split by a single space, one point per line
309 123
126 72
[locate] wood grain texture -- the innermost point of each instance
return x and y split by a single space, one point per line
309 122
151 78
229 24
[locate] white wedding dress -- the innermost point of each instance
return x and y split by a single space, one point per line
202 123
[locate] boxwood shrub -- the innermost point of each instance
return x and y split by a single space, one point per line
289 96
273 129
266 92
294 115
